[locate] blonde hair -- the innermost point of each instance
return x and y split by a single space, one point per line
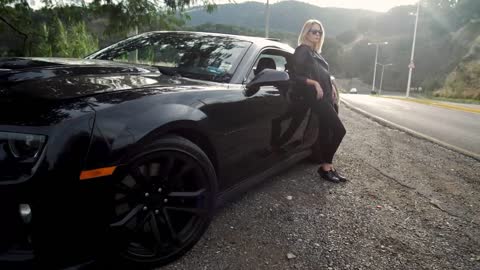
306 28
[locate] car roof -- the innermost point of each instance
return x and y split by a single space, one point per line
259 41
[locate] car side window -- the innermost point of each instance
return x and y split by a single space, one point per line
268 59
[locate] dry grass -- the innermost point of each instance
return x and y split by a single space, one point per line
468 93
463 83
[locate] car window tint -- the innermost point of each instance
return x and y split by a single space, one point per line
198 56
279 61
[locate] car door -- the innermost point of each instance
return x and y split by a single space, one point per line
240 127
289 117
245 143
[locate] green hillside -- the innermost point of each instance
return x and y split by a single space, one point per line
446 54
464 80
286 16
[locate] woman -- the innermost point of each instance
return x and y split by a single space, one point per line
312 80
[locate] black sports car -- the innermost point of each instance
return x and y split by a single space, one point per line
122 157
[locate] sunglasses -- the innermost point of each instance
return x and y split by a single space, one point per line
316 32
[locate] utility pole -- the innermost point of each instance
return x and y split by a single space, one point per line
381 77
133 55
377 44
411 66
267 19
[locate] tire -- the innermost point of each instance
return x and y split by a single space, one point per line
163 203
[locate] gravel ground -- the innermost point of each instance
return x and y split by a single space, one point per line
410 204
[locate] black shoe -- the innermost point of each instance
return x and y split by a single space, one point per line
328 175
340 177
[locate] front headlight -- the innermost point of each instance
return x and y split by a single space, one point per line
25 146
19 153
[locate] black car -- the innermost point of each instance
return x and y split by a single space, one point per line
122 157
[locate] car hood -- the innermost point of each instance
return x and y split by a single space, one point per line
60 78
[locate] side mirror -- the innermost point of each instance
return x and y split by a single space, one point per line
267 77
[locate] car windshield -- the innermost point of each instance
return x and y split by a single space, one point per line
197 56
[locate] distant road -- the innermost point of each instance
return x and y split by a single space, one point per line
457 128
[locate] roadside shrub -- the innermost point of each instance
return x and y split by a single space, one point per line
463 82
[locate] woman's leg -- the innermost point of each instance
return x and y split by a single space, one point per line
331 130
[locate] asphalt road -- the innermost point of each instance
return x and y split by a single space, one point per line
457 128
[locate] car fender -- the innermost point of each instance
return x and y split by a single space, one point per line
114 139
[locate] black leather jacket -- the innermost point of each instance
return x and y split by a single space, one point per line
308 64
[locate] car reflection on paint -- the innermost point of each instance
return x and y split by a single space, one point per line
123 157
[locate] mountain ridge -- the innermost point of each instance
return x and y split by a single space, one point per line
285 16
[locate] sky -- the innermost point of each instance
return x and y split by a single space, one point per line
376 5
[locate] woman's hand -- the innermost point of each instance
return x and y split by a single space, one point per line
319 90
317 86
334 93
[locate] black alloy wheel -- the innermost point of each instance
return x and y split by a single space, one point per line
163 202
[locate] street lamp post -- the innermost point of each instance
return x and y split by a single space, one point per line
267 19
377 44
411 66
381 77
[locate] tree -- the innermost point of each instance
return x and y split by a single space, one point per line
16 17
468 10
81 42
127 16
43 48
60 40
68 30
